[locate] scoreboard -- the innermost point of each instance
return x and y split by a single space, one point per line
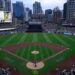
5 11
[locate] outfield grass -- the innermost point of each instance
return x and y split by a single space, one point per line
65 40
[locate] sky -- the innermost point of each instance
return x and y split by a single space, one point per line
46 4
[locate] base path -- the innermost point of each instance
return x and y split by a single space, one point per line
15 47
54 55
18 57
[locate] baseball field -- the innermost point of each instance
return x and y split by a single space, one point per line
36 53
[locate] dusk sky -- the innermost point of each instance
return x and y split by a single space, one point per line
46 4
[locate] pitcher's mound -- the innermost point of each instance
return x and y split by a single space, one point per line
34 66
35 52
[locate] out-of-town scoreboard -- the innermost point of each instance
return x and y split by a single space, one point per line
5 11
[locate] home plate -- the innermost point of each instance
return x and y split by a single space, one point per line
32 66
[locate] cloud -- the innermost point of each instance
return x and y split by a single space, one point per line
46 4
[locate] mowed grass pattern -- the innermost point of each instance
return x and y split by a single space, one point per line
46 52
65 40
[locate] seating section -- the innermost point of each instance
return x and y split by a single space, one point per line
70 71
4 71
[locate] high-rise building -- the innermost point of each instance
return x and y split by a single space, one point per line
5 5
57 15
1 5
65 11
37 9
8 5
18 10
28 14
48 11
70 9
48 15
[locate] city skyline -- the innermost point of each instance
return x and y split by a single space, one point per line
46 4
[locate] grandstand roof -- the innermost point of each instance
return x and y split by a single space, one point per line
5 29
